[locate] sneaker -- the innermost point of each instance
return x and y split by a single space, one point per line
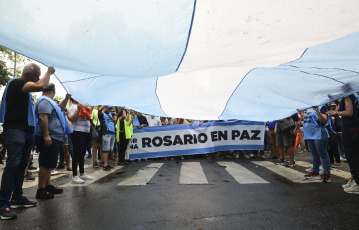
313 176
43 194
321 172
354 188
107 168
347 185
77 180
95 165
31 167
326 178
279 162
343 159
272 157
290 164
29 178
69 169
54 172
22 202
89 156
337 165
60 166
310 169
52 189
6 212
85 177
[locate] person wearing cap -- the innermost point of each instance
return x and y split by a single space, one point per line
108 133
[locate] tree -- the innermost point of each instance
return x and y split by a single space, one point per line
7 63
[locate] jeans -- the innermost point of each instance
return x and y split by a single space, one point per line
108 141
19 144
318 148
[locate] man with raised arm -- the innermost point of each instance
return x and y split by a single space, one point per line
18 117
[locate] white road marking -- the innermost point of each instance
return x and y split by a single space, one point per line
192 173
286 172
97 175
241 174
28 184
143 176
333 171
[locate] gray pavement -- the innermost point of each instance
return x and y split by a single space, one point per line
166 200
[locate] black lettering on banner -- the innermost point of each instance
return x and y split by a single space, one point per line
187 139
194 139
235 133
157 141
223 135
214 136
134 146
177 140
255 134
204 139
167 141
146 142
134 140
245 135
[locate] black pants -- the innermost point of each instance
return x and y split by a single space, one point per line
351 147
332 148
123 147
80 141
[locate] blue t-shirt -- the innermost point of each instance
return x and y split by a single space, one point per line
312 128
56 130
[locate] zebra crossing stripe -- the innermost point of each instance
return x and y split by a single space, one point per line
289 173
241 174
28 184
143 176
192 173
97 175
333 171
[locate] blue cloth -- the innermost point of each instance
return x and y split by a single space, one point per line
136 122
271 124
108 121
61 115
31 117
312 128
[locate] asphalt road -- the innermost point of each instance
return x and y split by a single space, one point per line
194 194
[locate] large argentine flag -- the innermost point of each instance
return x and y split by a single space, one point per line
206 59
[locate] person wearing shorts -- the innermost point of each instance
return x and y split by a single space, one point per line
285 138
108 133
49 138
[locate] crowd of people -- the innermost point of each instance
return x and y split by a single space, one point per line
104 133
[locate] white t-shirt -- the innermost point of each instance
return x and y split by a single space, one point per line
81 125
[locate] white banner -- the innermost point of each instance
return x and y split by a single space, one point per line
177 140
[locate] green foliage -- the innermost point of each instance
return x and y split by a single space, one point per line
7 63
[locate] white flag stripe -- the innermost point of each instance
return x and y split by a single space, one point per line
96 176
333 171
143 176
241 174
289 173
28 184
192 173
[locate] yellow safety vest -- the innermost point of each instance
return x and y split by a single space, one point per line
128 129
